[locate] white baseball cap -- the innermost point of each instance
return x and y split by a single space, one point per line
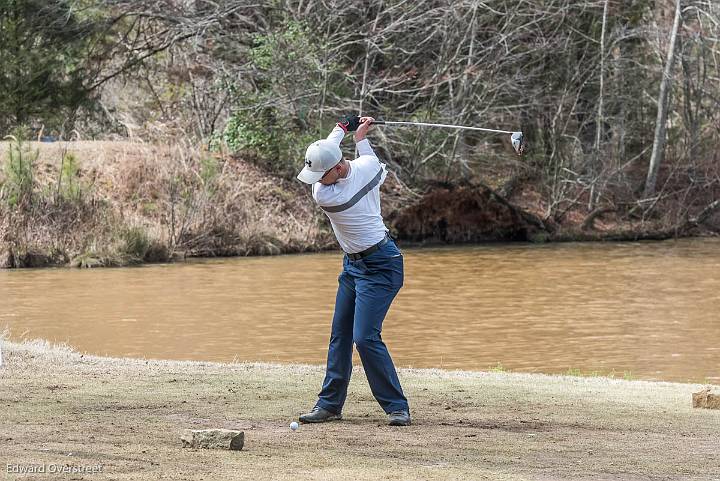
320 156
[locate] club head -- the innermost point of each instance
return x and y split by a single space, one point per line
518 142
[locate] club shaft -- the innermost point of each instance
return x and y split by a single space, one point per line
444 126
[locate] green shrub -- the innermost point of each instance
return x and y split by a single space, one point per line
136 247
272 145
19 170
274 124
135 244
245 131
209 173
70 187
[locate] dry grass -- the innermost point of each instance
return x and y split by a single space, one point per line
142 202
65 408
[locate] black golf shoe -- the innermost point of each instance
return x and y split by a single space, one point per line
399 418
319 415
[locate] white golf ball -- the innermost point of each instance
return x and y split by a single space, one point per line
294 426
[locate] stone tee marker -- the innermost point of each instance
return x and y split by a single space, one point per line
213 439
706 399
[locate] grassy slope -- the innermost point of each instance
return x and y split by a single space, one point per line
128 415
214 205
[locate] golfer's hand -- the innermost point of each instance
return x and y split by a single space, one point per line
349 123
365 123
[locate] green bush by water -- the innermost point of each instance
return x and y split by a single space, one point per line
19 170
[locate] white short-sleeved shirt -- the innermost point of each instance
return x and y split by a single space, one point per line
353 203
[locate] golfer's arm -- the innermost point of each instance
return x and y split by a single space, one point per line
364 148
336 135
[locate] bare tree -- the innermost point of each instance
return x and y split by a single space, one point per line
574 76
658 152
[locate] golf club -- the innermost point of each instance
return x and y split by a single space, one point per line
516 138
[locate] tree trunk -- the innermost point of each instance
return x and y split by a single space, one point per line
660 127
599 119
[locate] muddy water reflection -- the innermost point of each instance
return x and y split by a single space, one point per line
651 309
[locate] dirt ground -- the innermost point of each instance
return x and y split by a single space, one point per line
124 417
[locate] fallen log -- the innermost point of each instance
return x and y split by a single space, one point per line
706 213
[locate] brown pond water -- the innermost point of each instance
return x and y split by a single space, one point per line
648 309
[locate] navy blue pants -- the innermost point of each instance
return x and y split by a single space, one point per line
366 289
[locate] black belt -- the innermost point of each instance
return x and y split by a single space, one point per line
369 250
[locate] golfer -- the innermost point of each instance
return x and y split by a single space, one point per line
349 193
